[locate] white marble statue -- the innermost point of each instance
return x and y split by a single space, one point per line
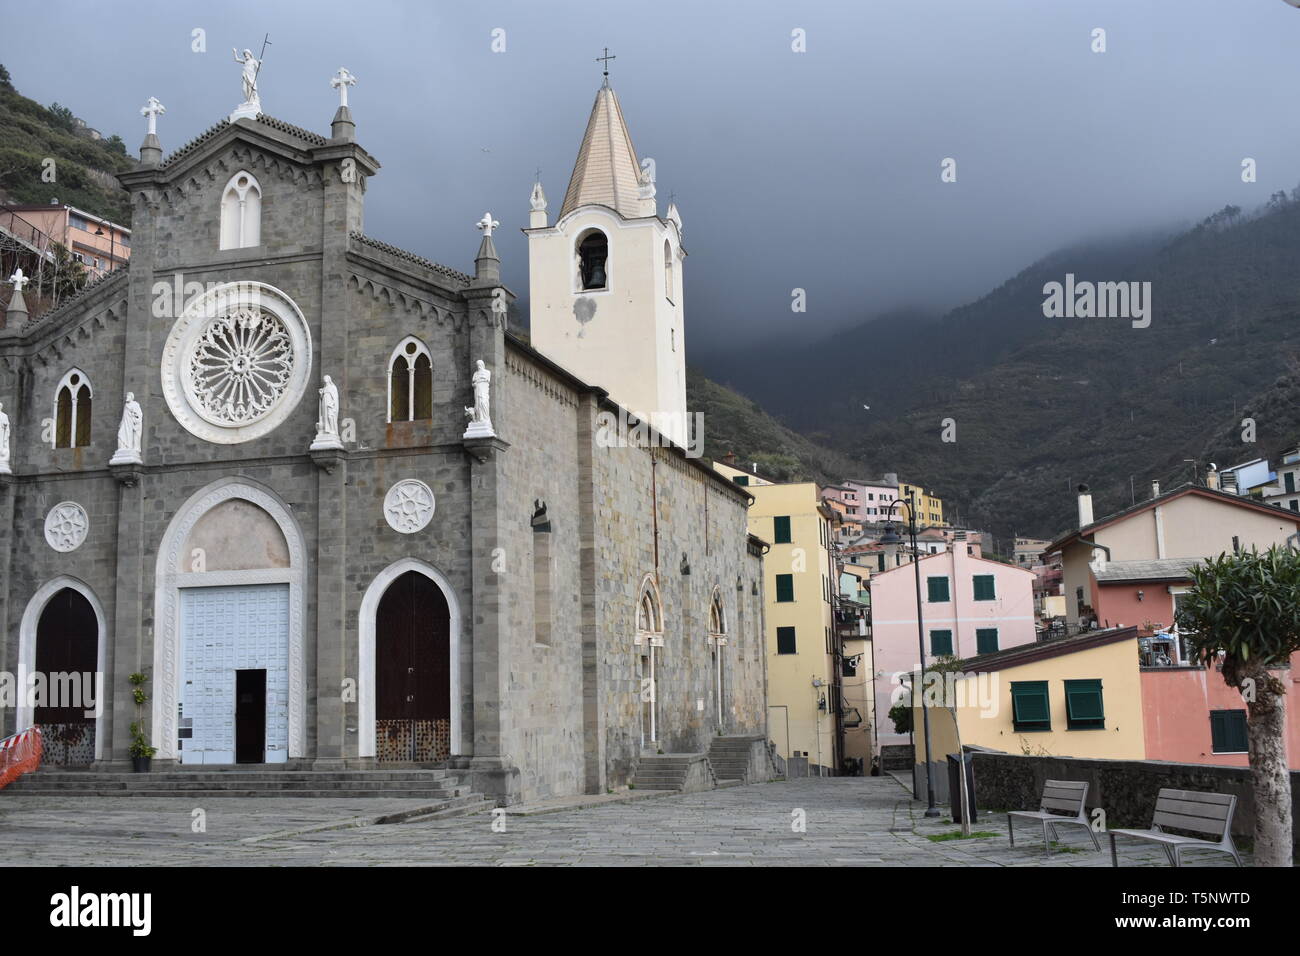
486 225
341 81
251 63
129 433
480 413
327 425
18 280
4 442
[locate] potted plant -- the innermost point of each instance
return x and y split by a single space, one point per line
141 752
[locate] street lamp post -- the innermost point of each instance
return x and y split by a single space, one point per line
891 537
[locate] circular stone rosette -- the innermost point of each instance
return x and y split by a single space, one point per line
237 362
408 506
66 526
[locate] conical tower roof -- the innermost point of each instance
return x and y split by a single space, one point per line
606 171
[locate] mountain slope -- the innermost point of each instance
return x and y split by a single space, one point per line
31 134
1098 401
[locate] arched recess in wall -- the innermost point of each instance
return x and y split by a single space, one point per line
241 212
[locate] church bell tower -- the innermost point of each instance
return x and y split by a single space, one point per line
605 281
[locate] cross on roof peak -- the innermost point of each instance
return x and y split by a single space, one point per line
605 59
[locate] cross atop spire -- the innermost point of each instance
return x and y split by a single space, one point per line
341 81
605 59
152 110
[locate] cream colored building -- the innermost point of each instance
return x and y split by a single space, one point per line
1189 522
605 279
804 686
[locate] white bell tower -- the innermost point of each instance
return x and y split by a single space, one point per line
605 281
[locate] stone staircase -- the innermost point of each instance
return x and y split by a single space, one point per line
449 787
731 758
899 757
685 773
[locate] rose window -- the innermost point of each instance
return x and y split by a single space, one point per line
240 366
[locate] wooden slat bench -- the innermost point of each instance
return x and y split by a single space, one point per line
1062 802
1192 810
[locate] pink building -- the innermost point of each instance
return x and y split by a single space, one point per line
1189 715
969 606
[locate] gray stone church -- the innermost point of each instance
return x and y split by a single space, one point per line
341 516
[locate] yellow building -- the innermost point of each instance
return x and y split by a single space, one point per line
929 509
1077 697
803 672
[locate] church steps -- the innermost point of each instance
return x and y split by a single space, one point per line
403 794
422 784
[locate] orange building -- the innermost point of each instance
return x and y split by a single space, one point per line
98 244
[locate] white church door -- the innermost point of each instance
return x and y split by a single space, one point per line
234 705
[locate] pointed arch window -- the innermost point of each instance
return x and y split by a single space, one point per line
717 619
649 617
410 381
593 260
241 212
72 410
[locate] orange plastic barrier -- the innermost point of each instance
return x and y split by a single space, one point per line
19 754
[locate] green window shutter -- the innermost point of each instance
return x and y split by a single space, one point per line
1030 709
1228 731
940 643
781 529
938 590
785 587
741 479
1290 481
986 640
984 588
880 559
785 640
1083 705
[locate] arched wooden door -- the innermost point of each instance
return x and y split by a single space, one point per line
413 672
67 654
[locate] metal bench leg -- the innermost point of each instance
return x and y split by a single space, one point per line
1232 848
1114 860
1093 833
1170 853
1047 846
1011 829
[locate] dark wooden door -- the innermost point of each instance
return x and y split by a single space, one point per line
413 672
250 716
67 650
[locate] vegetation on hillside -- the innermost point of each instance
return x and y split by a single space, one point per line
1041 405
31 134
733 423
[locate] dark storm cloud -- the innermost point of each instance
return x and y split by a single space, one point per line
817 170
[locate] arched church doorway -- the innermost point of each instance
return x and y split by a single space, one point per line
67 654
229 675
412 672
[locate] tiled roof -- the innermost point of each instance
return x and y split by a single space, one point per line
1155 569
606 172
450 273
304 134
307 136
195 143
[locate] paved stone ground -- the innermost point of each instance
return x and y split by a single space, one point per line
850 822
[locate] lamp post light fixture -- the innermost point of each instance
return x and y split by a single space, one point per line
891 537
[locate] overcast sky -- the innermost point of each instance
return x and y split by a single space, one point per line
817 170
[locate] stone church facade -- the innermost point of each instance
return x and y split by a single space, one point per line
527 600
